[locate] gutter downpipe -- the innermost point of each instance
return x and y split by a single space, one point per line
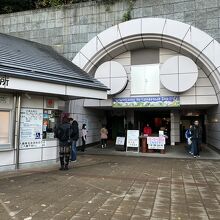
17 128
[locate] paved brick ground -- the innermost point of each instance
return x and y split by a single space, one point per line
115 187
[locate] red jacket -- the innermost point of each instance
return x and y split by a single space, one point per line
147 130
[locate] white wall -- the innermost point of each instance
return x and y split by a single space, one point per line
93 118
202 93
47 153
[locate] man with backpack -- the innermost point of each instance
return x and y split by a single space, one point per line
64 134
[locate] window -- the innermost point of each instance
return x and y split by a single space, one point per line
51 119
4 128
145 79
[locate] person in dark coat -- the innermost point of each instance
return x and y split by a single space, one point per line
74 137
63 134
196 137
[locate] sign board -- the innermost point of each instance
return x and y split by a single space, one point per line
50 103
161 133
146 102
133 139
120 141
4 80
31 126
156 143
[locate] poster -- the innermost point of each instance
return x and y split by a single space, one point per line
156 143
120 141
31 126
133 139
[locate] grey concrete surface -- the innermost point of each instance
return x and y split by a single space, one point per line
177 151
114 187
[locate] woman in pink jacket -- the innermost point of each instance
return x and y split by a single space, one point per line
104 136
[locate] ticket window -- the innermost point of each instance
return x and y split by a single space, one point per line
51 120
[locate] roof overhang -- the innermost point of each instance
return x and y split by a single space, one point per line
39 87
32 67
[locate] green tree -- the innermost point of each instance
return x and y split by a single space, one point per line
8 6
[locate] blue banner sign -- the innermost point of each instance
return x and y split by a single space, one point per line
146 102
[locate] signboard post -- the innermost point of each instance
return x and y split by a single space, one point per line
133 140
31 126
156 143
120 141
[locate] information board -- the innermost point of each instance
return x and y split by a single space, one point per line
31 126
133 139
120 141
156 143
146 102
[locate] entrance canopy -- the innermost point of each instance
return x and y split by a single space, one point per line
33 67
153 32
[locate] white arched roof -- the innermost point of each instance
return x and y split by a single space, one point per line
153 32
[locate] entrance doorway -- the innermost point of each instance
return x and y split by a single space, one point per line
157 120
188 118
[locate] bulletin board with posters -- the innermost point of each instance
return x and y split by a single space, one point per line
31 125
132 141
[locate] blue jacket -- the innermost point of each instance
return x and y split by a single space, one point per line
188 133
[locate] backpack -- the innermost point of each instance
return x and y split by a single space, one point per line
64 133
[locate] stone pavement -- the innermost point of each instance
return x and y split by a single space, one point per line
100 187
177 151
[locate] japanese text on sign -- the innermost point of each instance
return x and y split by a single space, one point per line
133 138
31 128
4 80
156 142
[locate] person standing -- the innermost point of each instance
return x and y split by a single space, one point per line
104 136
188 135
63 134
196 137
147 130
74 137
84 136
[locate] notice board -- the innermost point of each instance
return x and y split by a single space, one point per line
156 143
133 140
120 141
31 125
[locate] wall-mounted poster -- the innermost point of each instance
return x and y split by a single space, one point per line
31 126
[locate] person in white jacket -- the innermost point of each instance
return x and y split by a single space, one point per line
84 136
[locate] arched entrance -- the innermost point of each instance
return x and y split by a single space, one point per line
155 33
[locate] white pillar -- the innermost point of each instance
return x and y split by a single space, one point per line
175 126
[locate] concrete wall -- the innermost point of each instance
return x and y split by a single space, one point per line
93 118
69 28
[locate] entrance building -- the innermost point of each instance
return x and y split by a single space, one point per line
159 71
35 82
